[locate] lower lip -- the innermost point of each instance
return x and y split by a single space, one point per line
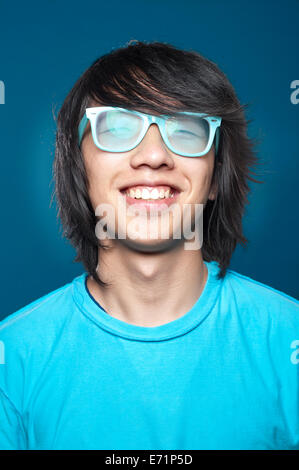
152 203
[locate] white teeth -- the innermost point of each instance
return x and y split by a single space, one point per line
146 193
155 194
137 194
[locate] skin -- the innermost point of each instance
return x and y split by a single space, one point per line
148 277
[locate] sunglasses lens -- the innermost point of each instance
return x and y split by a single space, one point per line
188 134
118 130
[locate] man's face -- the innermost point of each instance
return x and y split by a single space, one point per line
116 179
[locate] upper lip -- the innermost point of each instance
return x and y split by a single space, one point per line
150 183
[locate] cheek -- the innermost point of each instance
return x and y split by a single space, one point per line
96 194
200 176
207 180
97 175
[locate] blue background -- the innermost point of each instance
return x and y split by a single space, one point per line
45 47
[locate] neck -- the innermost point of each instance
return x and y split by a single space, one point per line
148 289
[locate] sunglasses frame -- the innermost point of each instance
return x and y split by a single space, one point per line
148 119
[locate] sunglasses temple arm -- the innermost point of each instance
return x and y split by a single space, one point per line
81 127
217 135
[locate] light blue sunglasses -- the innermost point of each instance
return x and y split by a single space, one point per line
120 130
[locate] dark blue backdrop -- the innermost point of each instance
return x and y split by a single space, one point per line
45 46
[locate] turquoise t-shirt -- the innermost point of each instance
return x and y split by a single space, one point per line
225 375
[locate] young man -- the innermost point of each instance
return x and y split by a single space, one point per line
158 345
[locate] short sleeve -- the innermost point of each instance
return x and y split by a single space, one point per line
12 435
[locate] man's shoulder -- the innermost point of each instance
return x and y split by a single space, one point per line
254 296
258 289
43 313
29 336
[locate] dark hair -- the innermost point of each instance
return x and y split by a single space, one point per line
158 78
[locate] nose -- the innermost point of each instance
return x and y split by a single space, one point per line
152 150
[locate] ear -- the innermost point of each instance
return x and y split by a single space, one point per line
212 193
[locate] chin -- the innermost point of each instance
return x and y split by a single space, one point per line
151 245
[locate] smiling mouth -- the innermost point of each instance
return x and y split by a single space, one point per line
152 195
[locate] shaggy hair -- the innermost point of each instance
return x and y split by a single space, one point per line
157 78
